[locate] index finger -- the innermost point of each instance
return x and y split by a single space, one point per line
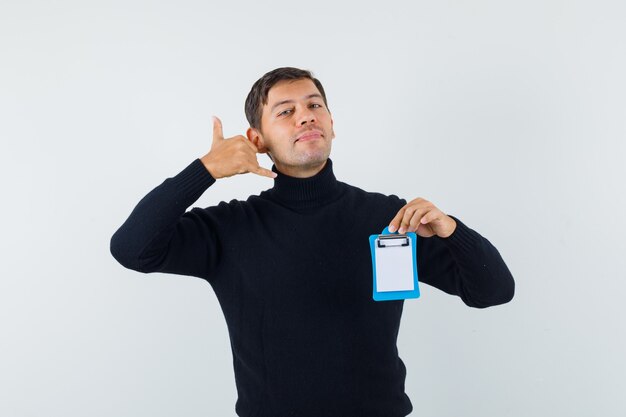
395 222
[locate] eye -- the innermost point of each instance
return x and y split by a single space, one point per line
284 112
316 105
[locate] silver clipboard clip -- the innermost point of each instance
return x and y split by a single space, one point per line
386 241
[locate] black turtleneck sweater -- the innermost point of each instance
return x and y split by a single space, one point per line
292 271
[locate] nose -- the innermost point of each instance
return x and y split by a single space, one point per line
306 116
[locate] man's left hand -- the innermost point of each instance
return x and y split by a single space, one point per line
422 217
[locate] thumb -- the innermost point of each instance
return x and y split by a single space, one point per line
217 129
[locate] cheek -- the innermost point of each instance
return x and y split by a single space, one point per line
277 140
280 134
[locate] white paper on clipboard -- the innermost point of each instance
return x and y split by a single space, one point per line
394 265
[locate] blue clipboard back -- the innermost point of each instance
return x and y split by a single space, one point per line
394 295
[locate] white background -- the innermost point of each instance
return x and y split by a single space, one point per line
509 115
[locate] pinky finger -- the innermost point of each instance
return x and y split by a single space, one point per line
265 172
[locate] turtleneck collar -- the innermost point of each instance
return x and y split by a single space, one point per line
314 191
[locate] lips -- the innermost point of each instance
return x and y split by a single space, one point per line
311 134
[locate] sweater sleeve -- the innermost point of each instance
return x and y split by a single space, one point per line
159 236
465 264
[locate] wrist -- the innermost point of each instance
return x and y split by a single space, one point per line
451 229
209 165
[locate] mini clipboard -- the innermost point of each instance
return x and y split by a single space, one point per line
394 266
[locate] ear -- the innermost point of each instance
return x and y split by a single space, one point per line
255 136
332 130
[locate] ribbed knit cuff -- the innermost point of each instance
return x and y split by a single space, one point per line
192 181
463 240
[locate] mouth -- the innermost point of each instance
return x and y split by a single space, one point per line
310 135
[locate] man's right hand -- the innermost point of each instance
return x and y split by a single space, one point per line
236 155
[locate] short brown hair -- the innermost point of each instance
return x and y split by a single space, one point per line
257 97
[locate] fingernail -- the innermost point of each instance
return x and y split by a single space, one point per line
392 228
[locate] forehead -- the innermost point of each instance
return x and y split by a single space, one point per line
290 90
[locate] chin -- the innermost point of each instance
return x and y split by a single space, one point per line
314 158
310 158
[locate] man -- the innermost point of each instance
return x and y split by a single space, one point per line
291 267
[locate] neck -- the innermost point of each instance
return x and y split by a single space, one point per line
306 193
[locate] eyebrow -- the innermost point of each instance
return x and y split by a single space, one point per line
291 101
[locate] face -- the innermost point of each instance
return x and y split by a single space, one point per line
296 128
